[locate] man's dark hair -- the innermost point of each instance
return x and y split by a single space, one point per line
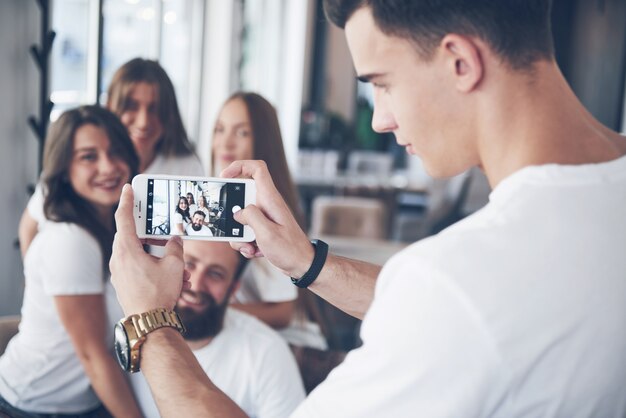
241 265
517 30
199 212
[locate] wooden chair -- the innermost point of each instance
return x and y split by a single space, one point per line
349 217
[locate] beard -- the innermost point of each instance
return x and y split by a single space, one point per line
196 227
205 323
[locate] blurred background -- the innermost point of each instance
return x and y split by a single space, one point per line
353 182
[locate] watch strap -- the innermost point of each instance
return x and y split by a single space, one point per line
147 322
137 326
319 259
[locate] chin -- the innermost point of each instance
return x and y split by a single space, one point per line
444 170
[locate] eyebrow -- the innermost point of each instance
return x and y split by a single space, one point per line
84 149
367 78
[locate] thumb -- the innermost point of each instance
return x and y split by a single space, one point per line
256 219
174 247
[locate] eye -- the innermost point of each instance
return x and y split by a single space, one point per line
243 133
218 130
216 275
131 106
381 86
88 156
189 265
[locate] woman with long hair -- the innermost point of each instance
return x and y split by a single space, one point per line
142 96
60 360
247 128
181 217
204 208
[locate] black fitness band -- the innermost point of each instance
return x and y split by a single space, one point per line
321 251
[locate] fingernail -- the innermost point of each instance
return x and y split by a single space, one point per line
177 239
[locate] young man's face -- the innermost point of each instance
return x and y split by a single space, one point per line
414 99
212 266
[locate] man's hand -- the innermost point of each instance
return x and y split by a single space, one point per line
278 235
144 282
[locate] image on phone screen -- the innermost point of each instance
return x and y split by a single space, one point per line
194 208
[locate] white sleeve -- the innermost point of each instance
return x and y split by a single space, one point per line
35 205
425 353
262 282
72 261
280 388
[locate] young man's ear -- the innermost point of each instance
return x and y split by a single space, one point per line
465 59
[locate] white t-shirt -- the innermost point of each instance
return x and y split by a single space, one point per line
40 371
204 230
516 311
247 361
262 282
177 219
186 165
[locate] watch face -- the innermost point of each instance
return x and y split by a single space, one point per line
122 347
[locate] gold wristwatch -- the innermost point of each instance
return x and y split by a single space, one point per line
131 332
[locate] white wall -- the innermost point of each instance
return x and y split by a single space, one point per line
279 64
19 21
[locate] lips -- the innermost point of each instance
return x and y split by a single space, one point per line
193 299
141 136
109 184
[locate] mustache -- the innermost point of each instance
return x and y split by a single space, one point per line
202 297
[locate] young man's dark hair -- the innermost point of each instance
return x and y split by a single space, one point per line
518 30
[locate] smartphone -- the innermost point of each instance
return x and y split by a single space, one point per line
199 208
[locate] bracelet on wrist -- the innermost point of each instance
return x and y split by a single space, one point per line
319 259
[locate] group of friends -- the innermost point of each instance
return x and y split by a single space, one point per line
61 362
516 311
192 219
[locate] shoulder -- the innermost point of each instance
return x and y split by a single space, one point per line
187 165
69 259
64 235
248 327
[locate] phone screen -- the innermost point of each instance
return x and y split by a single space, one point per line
200 208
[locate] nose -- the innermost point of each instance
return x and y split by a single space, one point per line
382 119
107 164
198 284
142 118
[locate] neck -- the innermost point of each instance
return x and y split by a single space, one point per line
106 216
536 119
146 159
198 344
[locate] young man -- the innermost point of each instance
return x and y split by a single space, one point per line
246 359
197 226
515 311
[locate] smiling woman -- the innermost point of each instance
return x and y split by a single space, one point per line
63 336
142 95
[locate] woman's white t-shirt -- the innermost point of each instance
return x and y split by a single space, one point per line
262 282
40 371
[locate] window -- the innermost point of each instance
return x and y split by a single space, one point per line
169 31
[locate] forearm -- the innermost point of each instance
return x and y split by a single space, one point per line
347 284
179 385
111 385
275 314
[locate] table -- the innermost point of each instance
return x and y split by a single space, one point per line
370 250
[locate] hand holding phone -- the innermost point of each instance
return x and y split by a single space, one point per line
199 208
279 237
